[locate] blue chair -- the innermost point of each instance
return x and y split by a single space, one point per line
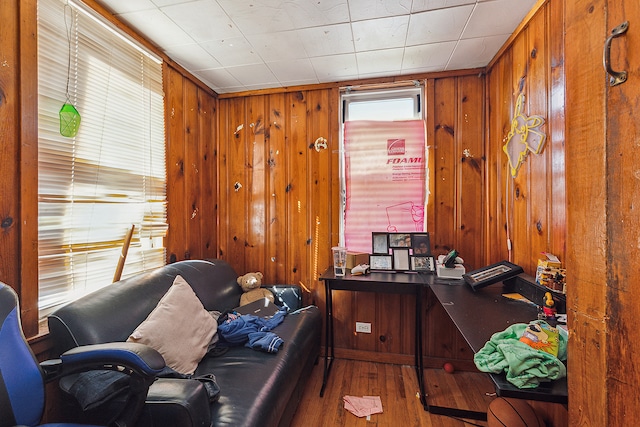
22 378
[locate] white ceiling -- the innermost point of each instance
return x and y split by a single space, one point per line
238 45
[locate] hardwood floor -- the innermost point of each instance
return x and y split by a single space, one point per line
397 386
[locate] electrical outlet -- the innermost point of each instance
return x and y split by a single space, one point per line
363 327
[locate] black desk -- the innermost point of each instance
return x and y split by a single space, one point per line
394 283
480 314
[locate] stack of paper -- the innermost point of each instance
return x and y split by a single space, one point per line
363 406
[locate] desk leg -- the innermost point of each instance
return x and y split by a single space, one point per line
438 410
419 360
328 337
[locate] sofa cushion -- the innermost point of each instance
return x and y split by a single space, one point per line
179 328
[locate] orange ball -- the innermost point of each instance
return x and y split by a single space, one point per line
448 368
512 413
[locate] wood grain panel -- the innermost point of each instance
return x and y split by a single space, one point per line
9 149
470 171
174 122
556 129
276 237
191 206
521 212
623 134
296 188
232 185
28 195
540 181
208 175
445 160
255 185
586 214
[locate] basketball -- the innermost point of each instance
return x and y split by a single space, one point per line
505 412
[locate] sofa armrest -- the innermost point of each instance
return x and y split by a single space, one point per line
287 296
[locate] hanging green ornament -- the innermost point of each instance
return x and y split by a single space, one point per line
69 120
69 116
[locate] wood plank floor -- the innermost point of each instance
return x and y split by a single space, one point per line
397 386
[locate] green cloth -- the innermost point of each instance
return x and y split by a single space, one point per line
524 366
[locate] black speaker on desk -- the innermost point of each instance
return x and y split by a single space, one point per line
491 274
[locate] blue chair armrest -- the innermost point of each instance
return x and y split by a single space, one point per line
133 357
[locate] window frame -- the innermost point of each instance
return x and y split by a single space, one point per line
145 54
404 90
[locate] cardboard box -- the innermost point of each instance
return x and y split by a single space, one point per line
356 258
550 273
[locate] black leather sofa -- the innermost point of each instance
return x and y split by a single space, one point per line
256 388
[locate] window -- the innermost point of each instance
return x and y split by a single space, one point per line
383 172
94 186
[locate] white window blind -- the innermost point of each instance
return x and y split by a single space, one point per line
93 187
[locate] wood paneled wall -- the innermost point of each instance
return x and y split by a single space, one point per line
529 210
278 195
191 168
19 156
279 204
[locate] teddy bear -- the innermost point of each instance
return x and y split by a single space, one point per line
250 284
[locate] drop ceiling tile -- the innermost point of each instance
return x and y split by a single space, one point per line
297 69
232 52
219 78
203 20
335 67
329 40
496 17
380 61
438 25
161 3
156 27
370 9
278 46
192 57
432 56
253 75
258 17
382 33
314 13
473 53
422 5
123 6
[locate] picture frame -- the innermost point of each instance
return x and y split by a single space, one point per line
491 274
380 243
420 244
379 262
423 263
399 240
401 259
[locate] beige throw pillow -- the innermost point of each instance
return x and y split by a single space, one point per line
179 328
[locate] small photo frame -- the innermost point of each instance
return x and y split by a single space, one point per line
424 263
421 244
380 243
491 274
399 240
401 259
380 262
